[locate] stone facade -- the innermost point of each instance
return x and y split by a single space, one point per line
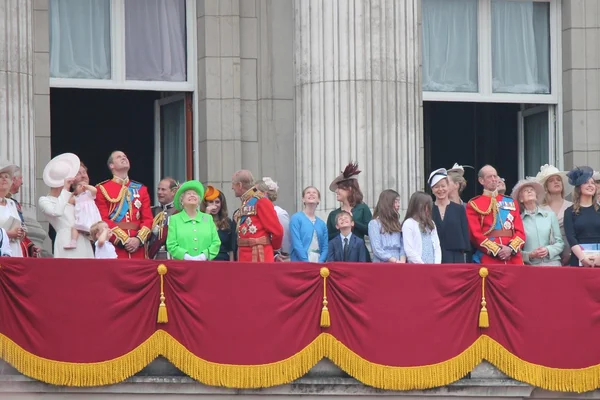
278 84
246 92
581 82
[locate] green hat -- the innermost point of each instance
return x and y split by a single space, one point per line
189 185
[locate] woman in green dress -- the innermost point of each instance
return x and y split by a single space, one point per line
348 193
192 234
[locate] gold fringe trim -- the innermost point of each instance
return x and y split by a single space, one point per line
292 368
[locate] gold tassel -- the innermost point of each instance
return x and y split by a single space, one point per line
484 320
325 320
163 318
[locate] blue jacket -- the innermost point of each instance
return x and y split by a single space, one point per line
301 233
357 253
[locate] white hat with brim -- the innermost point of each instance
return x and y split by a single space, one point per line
547 171
596 176
437 176
61 167
537 186
7 167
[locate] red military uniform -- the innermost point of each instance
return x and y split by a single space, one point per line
259 232
125 206
495 220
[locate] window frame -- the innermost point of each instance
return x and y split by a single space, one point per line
484 43
118 61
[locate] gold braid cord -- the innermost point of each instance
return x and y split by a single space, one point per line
162 307
116 199
493 208
484 320
325 318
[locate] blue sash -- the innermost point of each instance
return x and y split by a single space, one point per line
133 193
246 207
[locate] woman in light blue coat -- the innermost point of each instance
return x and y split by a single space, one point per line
544 243
309 232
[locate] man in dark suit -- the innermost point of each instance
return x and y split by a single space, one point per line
346 247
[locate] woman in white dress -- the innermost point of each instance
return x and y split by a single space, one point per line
59 175
9 215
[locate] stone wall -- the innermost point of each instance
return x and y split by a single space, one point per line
245 75
581 82
324 381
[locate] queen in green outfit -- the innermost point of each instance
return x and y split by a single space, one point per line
192 234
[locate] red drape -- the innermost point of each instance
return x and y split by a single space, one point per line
83 322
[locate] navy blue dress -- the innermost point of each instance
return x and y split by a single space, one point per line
228 243
453 233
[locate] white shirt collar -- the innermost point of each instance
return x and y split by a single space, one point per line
344 237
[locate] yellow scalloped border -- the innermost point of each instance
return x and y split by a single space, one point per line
292 368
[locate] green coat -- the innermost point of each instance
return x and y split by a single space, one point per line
192 236
361 214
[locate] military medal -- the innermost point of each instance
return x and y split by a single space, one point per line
244 230
507 225
248 221
252 229
137 203
137 215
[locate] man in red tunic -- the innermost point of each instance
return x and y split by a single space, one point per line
495 224
125 206
259 232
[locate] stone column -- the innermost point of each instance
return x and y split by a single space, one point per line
16 91
358 95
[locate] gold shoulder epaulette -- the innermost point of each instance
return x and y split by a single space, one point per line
480 211
102 183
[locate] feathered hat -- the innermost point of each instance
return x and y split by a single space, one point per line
350 172
579 175
459 169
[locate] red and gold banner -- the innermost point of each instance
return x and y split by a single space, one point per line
400 327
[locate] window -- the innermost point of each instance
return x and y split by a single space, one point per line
450 45
491 50
122 44
520 47
80 39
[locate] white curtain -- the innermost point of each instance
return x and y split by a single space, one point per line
450 45
172 120
80 39
155 40
520 47
536 142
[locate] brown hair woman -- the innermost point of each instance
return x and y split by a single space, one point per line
419 235
350 196
215 204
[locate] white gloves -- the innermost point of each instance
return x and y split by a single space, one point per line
200 257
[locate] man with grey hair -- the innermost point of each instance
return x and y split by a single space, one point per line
258 230
495 224
29 248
